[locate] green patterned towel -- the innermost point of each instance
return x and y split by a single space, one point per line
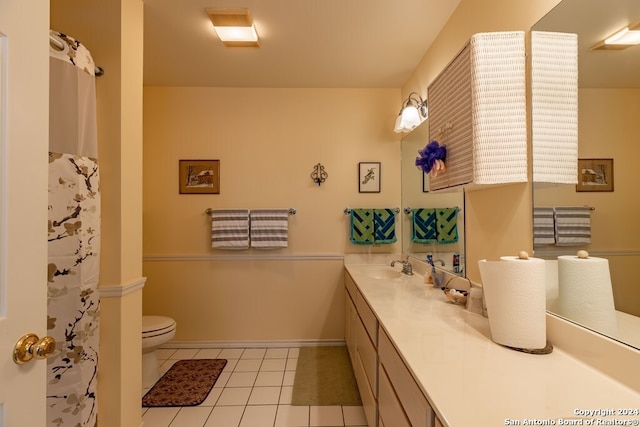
424 225
362 227
385 226
447 222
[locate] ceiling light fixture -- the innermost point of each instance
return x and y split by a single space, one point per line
234 27
413 112
626 37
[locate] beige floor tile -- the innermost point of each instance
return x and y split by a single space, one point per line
264 396
354 416
234 396
259 416
292 416
225 416
325 416
191 416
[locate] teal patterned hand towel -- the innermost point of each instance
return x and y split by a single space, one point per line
362 227
385 226
447 225
424 225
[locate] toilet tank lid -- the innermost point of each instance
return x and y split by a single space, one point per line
156 323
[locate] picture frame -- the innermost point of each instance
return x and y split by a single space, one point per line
425 182
369 176
199 176
595 175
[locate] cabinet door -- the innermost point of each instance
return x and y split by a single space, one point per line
410 395
351 319
391 412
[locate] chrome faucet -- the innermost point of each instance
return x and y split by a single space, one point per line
407 268
440 261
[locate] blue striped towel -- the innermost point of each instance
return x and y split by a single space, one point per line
362 226
424 225
384 226
447 223
543 226
230 229
573 225
269 228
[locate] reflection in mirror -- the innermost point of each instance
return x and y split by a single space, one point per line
416 196
608 126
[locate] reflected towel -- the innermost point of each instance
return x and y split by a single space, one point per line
543 226
573 225
424 225
384 226
447 225
269 228
362 227
230 229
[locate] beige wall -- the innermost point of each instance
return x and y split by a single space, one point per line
268 142
607 126
498 220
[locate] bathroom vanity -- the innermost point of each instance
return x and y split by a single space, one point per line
421 361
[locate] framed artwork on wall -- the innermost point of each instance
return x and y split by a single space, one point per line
369 177
199 176
595 175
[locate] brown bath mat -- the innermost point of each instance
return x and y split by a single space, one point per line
186 383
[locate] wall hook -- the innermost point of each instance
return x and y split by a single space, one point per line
319 175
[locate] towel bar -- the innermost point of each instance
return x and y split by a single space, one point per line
292 211
347 211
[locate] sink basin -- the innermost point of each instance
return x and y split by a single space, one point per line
383 272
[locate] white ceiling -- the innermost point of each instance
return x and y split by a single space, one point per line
593 21
304 43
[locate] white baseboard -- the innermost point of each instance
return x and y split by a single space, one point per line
252 344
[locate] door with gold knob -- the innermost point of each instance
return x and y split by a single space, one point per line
24 90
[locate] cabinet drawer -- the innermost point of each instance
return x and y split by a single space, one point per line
411 397
368 356
368 318
350 320
391 412
350 285
369 402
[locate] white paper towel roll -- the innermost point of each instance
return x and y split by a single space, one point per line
585 292
514 291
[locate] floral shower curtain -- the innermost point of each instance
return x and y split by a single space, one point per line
74 236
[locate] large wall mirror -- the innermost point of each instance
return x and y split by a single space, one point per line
608 128
415 195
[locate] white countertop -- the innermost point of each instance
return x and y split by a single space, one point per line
472 381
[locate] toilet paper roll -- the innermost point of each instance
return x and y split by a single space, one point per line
585 292
514 291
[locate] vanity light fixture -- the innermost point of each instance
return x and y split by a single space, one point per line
626 37
413 112
234 27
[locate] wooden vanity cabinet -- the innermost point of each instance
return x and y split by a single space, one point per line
390 396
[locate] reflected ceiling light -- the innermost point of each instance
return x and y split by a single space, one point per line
234 27
413 112
626 37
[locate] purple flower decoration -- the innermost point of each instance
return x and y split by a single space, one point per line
429 155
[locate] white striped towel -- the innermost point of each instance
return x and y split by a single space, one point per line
269 228
230 229
543 226
573 225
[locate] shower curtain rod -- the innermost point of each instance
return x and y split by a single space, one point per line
98 71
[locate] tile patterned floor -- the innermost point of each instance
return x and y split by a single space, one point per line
254 390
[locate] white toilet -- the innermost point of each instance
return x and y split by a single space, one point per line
156 330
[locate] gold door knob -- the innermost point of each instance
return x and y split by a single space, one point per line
31 347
